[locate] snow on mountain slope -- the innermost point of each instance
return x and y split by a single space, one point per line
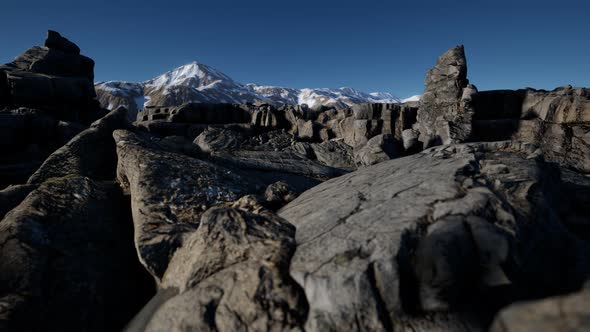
412 98
196 82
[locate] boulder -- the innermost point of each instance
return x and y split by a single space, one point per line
410 140
423 242
229 276
55 78
275 161
216 139
91 153
560 313
274 140
306 130
443 117
197 113
67 259
169 193
279 194
335 154
358 132
378 149
11 196
57 42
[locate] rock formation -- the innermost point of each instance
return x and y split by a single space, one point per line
444 116
234 217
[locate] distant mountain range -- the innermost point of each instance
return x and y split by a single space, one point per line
197 82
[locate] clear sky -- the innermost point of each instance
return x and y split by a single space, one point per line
372 45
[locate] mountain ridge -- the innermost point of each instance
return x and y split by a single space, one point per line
198 82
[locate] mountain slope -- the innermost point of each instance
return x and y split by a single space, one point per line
197 82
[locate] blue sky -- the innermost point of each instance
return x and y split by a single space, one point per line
372 45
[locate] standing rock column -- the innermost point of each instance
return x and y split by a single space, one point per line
444 116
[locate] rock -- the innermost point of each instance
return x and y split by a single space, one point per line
165 128
66 258
358 132
274 140
556 121
403 243
56 41
335 154
366 111
442 117
56 79
303 148
91 153
11 196
199 113
216 139
230 277
268 117
410 140
378 149
560 313
306 130
278 194
169 193
277 161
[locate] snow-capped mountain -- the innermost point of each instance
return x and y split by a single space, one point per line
196 82
412 99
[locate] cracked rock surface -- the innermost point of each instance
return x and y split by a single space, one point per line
169 193
411 243
231 275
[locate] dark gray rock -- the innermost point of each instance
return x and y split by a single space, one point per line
217 139
67 259
11 196
562 313
169 193
277 161
229 276
279 194
378 149
91 153
423 242
335 154
443 117
56 41
557 121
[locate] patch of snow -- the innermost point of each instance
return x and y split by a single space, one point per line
412 98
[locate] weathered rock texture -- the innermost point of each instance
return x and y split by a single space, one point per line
55 77
66 260
420 242
444 116
567 313
231 275
91 153
169 192
557 121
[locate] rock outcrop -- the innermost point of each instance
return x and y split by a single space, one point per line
55 77
169 193
390 246
556 121
91 153
444 115
46 97
66 259
560 313
231 276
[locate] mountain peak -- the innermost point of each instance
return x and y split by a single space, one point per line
197 82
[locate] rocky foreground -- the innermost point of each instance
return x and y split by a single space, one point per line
468 211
